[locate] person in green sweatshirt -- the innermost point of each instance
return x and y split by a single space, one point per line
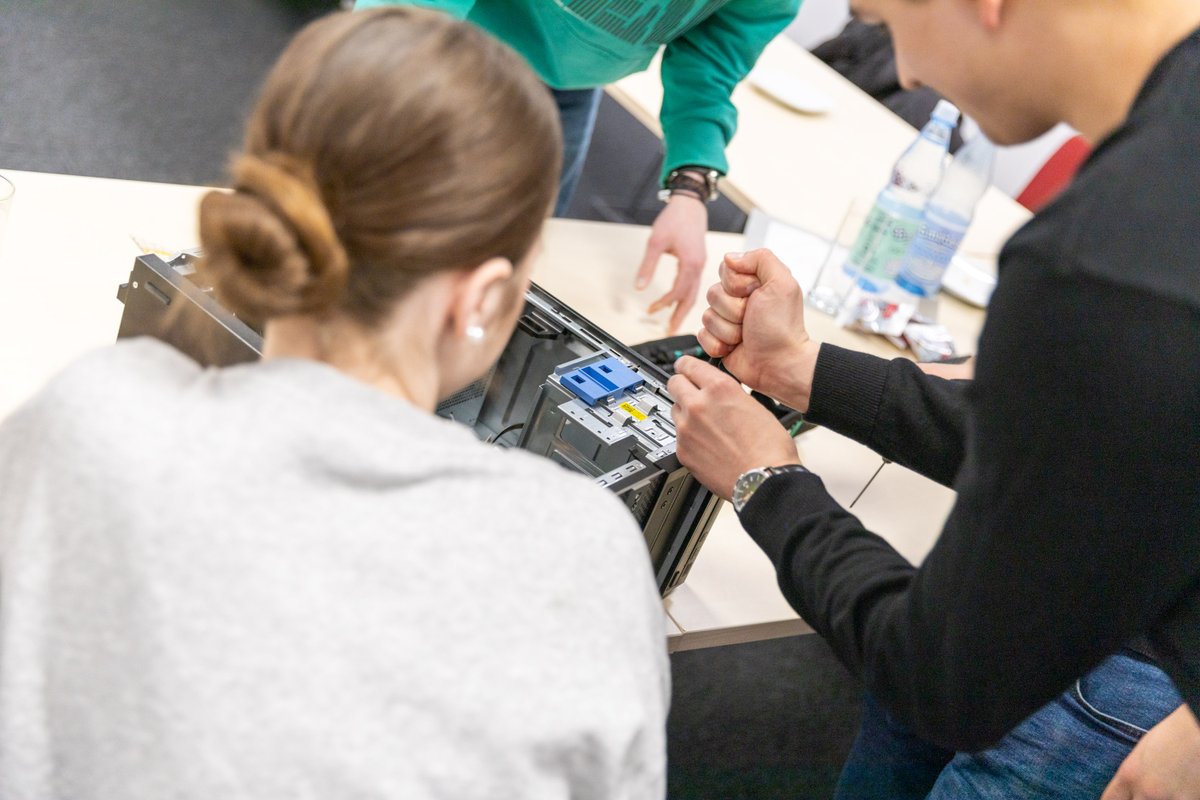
577 46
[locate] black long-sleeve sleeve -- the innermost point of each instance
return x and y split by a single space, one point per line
894 408
1075 525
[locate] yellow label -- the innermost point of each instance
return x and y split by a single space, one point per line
633 411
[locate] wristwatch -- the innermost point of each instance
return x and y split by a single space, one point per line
698 182
749 481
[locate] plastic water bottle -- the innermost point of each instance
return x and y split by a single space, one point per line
947 216
894 221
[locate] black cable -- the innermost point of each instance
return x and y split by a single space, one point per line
868 486
516 426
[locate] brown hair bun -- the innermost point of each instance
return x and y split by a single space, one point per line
270 246
432 145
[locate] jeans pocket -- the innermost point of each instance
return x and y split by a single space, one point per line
1125 696
1109 722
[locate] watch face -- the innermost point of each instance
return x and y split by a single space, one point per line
745 487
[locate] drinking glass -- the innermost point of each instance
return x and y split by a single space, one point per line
835 278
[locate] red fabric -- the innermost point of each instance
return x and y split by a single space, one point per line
1055 174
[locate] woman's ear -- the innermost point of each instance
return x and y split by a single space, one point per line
480 298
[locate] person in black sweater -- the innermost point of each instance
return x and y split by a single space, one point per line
1075 451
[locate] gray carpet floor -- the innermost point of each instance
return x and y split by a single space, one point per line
158 90
146 89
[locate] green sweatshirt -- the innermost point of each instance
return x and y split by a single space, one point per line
574 44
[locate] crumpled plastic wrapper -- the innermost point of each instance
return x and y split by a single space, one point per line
901 323
929 341
871 313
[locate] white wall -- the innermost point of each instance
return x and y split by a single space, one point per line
818 20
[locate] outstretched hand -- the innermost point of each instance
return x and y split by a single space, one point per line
678 230
722 431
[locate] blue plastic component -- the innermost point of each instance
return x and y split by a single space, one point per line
601 380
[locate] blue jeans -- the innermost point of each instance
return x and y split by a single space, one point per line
577 114
1070 748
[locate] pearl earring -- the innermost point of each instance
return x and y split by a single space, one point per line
475 333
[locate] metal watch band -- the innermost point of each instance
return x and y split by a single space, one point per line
750 481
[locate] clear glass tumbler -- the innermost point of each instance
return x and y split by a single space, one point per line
836 278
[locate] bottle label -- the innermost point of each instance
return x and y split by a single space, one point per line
873 228
884 261
922 269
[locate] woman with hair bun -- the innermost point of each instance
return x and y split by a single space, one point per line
290 578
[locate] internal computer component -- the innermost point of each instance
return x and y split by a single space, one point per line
568 391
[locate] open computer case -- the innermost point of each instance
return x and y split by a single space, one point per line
562 388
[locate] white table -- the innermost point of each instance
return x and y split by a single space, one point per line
67 246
